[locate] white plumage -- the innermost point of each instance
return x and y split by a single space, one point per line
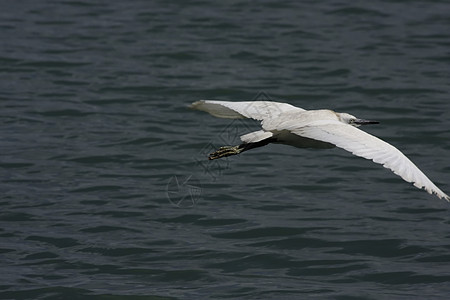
287 124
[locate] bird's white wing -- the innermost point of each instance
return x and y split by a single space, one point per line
368 146
258 110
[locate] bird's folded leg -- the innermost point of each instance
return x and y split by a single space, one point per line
233 150
226 151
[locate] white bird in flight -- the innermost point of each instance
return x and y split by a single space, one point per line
286 124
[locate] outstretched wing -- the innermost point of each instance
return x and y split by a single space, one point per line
258 110
368 146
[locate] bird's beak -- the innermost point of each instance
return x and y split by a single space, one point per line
365 122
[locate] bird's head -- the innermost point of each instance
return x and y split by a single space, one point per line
354 121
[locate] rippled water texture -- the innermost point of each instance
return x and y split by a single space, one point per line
106 192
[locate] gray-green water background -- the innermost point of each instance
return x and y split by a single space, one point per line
105 190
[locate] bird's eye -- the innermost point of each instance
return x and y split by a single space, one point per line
352 120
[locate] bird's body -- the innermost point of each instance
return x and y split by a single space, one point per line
283 127
287 124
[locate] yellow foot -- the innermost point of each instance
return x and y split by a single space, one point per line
225 151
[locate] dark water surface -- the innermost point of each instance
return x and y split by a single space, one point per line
105 189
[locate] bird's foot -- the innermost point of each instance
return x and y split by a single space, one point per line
225 151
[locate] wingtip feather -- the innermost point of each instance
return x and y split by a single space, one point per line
196 104
444 196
